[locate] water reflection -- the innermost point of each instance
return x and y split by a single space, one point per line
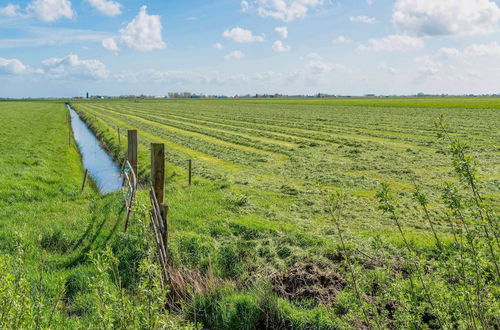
102 169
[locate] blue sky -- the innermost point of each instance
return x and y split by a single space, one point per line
68 47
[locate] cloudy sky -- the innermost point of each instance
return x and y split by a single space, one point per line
349 47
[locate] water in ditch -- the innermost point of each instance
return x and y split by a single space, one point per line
103 170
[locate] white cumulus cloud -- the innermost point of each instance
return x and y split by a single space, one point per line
234 55
144 32
446 17
393 43
73 67
51 10
10 10
107 7
282 31
363 19
110 44
280 47
13 67
286 10
242 35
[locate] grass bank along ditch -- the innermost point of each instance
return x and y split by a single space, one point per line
65 262
102 168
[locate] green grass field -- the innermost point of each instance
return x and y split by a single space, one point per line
54 263
284 156
265 170
265 237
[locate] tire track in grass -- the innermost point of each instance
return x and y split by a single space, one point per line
222 164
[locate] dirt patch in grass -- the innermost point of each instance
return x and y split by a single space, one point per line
309 282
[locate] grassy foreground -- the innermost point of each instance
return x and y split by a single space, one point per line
288 224
64 261
250 250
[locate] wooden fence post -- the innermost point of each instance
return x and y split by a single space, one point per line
158 170
132 149
190 165
119 138
158 181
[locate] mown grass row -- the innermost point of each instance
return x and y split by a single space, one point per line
215 148
408 118
357 146
358 165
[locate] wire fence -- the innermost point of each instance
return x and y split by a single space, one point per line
130 183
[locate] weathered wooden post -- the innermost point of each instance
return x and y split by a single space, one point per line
158 181
190 165
158 170
132 149
119 138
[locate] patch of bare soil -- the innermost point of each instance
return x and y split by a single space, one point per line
309 281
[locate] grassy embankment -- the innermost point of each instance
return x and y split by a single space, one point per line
256 225
64 261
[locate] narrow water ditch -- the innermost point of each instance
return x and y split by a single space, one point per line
103 170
